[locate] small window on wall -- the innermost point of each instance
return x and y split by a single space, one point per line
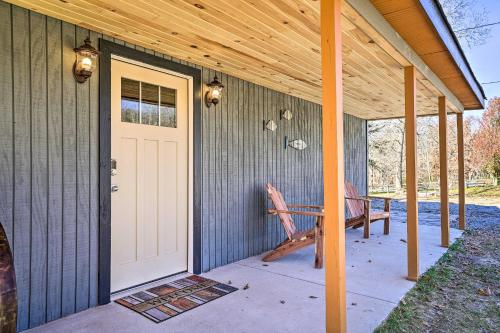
148 104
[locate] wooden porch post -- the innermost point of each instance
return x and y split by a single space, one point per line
411 172
461 171
443 172
333 165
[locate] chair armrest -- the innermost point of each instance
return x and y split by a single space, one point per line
362 199
294 212
305 206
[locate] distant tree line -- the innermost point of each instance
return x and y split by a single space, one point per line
468 19
386 139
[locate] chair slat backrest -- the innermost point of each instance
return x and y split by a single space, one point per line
279 204
355 207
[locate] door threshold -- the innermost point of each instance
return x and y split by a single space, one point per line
146 285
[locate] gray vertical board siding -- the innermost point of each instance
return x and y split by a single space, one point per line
49 160
69 127
210 194
218 177
266 136
241 172
39 169
260 158
55 185
274 143
21 241
279 166
355 152
94 180
235 190
252 183
250 167
205 130
279 103
6 121
270 158
247 167
83 187
231 214
224 175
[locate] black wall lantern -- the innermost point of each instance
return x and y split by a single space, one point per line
214 92
86 59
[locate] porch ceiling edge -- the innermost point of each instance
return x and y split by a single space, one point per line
378 22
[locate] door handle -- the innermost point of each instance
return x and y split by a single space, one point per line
114 170
114 188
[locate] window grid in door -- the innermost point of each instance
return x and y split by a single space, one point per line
148 104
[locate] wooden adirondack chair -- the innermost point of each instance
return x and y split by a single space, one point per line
296 239
359 210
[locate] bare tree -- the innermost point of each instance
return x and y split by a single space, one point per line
386 158
467 18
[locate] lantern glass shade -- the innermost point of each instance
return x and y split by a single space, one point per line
214 92
86 61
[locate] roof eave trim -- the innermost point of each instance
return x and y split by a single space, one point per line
373 17
438 18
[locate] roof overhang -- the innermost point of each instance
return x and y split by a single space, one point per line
423 25
438 18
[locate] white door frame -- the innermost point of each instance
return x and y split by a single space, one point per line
190 146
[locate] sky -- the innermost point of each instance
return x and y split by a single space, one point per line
485 59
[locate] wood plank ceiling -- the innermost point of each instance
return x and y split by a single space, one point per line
272 43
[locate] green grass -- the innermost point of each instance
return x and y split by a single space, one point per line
489 191
449 296
392 195
482 192
405 316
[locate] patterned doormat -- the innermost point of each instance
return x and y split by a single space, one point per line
168 300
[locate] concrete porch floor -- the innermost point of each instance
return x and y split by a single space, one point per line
375 270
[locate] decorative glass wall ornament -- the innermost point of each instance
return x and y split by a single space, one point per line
286 114
271 125
298 144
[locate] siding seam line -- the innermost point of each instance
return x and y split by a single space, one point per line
13 131
62 171
90 184
31 166
77 179
47 168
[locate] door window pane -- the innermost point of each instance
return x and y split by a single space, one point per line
130 100
168 110
149 104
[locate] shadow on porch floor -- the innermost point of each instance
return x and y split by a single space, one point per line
279 295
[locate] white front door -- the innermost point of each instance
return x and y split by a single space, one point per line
149 151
